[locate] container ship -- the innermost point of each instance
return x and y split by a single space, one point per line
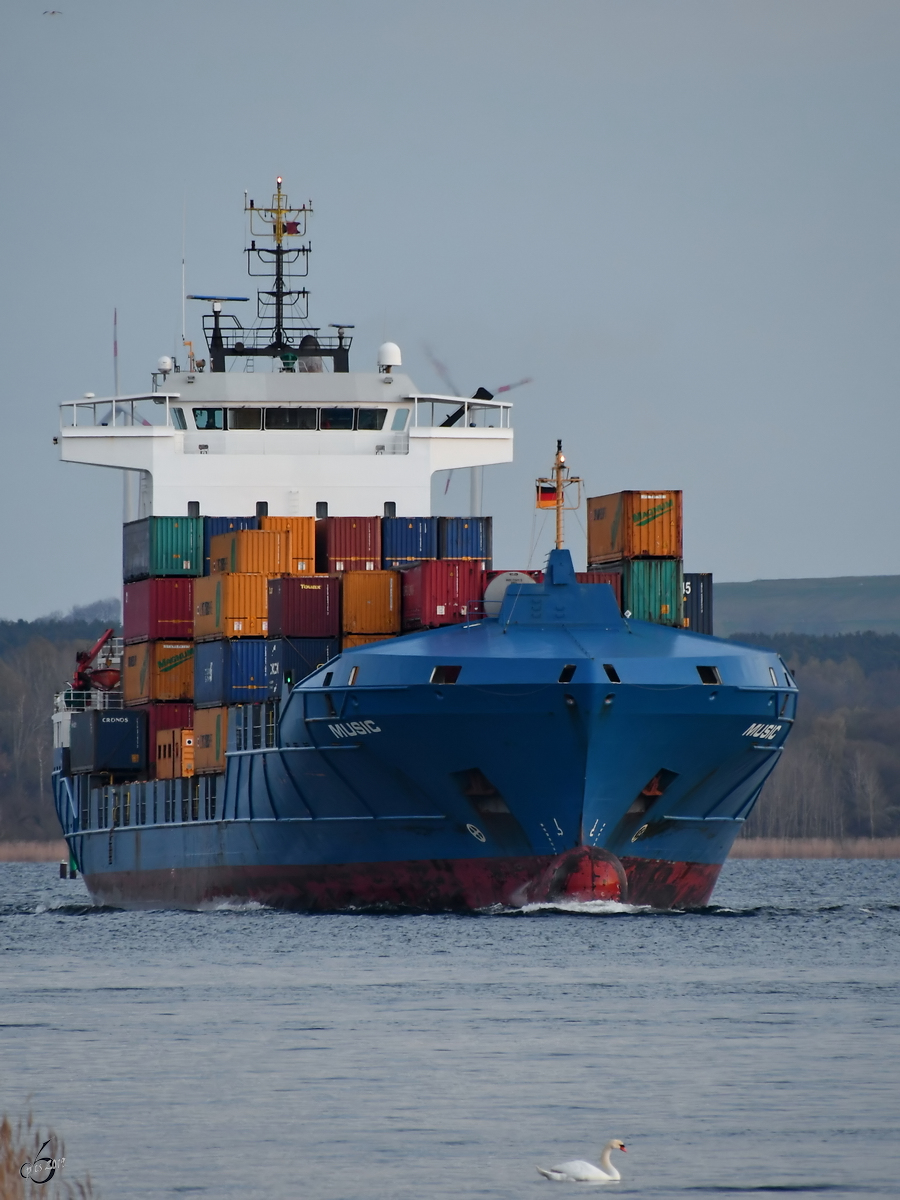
325 698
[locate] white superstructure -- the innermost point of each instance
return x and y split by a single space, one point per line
297 437
227 440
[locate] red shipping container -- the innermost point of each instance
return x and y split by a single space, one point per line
446 592
164 716
613 578
305 606
158 610
348 544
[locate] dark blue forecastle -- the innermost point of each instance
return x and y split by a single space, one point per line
449 768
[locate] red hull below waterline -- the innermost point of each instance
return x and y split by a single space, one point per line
581 875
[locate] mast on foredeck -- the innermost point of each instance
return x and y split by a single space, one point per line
282 310
551 492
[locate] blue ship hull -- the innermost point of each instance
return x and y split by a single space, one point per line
557 751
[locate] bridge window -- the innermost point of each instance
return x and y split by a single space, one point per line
336 418
178 418
399 421
370 418
209 418
291 418
245 418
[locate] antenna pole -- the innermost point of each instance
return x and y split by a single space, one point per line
116 350
558 468
183 240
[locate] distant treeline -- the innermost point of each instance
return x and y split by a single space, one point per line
36 660
839 776
873 651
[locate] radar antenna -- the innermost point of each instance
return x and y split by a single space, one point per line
281 310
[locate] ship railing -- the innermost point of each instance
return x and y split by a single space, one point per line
258 340
111 653
150 409
432 411
72 700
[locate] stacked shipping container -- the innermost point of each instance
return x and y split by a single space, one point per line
221 612
161 560
637 536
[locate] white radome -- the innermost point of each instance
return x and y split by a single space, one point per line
389 355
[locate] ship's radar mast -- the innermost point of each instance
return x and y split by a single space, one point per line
282 310
551 492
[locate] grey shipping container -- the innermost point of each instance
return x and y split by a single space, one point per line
698 601
109 740
162 546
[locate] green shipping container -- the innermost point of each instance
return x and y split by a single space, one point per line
162 546
652 589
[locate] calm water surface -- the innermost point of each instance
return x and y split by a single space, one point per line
749 1047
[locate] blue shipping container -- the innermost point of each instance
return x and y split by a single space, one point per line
406 540
213 526
466 537
229 672
109 739
698 601
288 660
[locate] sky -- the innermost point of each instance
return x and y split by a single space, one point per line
679 217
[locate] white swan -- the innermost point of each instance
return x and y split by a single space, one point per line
579 1171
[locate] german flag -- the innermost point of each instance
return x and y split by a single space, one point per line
546 495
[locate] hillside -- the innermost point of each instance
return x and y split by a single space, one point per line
36 659
846 604
839 776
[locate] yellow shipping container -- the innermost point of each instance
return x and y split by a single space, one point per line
250 552
634 525
230 606
303 541
349 640
174 753
158 671
210 740
370 602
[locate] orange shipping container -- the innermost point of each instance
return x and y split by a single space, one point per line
158 671
303 541
230 606
370 602
634 525
251 552
362 639
174 753
210 740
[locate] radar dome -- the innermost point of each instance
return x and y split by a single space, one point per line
389 356
164 365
